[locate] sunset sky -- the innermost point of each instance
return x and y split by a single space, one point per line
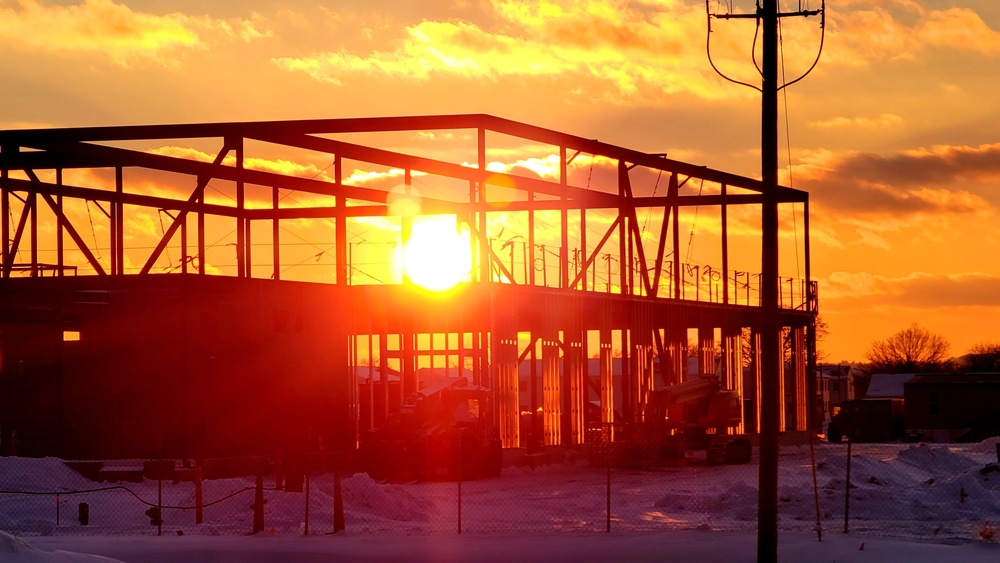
895 135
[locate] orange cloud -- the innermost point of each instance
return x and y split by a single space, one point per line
862 31
620 51
916 290
278 166
883 120
927 191
104 27
939 164
942 179
630 50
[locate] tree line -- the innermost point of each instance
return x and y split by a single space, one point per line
918 350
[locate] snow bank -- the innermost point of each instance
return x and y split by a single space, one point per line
899 490
40 474
17 550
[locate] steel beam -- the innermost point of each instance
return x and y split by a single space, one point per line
29 137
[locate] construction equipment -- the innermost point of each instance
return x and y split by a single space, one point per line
442 432
695 414
868 420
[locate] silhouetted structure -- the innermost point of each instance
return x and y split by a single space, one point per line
952 407
195 347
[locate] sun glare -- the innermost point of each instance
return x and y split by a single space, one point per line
437 255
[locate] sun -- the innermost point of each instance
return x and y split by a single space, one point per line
437 255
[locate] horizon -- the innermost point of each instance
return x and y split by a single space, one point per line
889 135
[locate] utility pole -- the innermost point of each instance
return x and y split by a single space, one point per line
770 401
767 16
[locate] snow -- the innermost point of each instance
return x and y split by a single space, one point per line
887 385
912 502
17 550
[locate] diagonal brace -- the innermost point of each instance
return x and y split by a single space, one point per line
94 262
494 259
199 192
590 259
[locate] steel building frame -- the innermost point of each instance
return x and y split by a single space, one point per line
646 313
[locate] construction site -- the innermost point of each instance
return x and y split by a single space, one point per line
208 290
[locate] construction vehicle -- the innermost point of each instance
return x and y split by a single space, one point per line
442 432
875 420
695 414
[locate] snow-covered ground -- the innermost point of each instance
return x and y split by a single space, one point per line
913 502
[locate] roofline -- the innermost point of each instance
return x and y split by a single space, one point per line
17 137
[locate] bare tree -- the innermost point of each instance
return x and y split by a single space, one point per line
787 343
822 331
983 357
910 350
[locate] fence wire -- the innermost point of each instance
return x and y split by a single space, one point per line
939 491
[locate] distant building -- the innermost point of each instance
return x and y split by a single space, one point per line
835 383
887 385
953 407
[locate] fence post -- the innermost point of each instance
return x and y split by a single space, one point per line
609 497
258 501
847 487
461 432
57 511
159 507
306 530
338 503
198 497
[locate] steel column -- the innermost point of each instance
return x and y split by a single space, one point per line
60 250
725 247
574 424
341 228
118 224
673 191
732 362
276 236
241 233
706 350
800 374
5 219
505 360
33 230
607 375
551 389
641 359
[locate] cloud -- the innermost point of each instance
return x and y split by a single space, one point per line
621 52
941 180
277 166
125 36
630 51
864 31
918 290
884 120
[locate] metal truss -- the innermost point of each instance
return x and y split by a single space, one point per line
23 154
644 306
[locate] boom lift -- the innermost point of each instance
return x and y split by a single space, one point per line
695 414
442 432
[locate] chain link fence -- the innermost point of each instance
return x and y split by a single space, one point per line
932 491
